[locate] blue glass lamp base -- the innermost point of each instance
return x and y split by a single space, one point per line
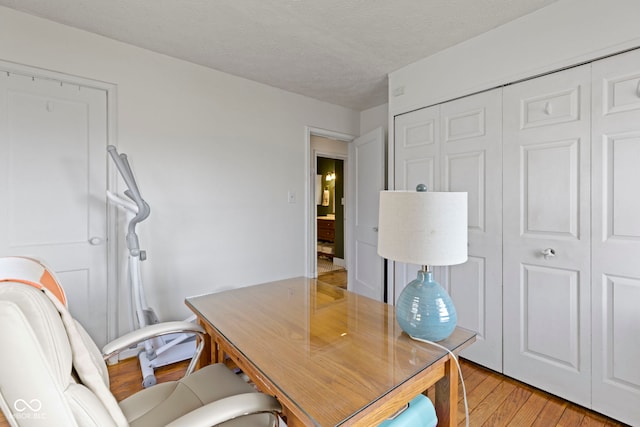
425 310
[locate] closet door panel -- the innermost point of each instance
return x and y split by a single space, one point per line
621 213
416 161
616 236
551 108
550 193
417 150
554 335
467 172
471 306
546 208
471 130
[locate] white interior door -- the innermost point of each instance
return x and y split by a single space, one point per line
547 318
53 141
471 152
616 236
366 179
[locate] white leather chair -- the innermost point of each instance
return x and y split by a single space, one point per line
52 374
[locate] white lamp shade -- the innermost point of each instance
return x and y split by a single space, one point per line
424 228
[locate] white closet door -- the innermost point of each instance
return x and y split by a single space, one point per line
416 162
471 153
53 183
616 237
547 208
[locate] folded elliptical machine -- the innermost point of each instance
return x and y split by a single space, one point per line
163 350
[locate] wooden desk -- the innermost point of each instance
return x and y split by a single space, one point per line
331 357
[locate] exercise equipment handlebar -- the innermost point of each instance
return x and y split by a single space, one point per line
132 192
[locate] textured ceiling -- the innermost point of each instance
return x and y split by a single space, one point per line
338 51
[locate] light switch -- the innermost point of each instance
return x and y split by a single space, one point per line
291 196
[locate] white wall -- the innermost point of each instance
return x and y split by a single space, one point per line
565 33
215 156
373 118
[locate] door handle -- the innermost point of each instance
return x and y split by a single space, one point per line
375 229
548 253
95 241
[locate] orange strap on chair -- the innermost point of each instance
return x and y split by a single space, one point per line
31 271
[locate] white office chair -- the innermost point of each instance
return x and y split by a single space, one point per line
52 373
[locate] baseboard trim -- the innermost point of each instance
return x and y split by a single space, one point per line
126 354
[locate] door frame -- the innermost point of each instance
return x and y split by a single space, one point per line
111 215
310 201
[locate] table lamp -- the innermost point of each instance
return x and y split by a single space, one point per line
428 229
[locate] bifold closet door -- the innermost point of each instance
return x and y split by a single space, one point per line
456 146
616 237
546 234
416 161
471 147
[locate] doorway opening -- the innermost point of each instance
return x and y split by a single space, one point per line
330 221
328 233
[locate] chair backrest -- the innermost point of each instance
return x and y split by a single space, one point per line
32 272
38 384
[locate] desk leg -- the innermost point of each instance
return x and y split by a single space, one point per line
218 353
291 419
205 356
447 396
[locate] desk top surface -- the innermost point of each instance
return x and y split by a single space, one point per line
330 351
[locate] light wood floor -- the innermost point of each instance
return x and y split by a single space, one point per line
496 400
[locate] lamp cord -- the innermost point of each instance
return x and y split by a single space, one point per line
455 358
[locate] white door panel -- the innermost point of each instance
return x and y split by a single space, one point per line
416 161
471 153
366 271
556 318
53 154
550 179
470 301
547 207
467 172
417 149
616 237
456 146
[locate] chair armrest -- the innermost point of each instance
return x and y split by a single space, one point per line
134 337
227 409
